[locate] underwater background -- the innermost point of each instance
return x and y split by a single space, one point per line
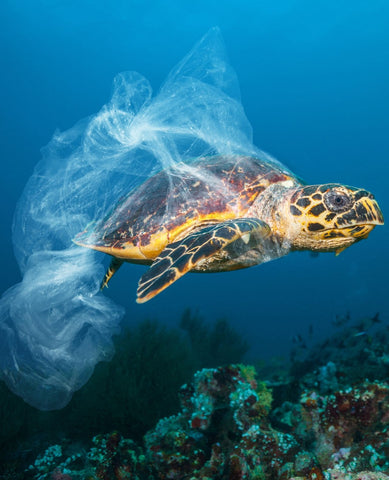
313 79
314 82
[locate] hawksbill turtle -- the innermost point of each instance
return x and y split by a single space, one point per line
241 211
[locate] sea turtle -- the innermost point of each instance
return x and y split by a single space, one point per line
233 212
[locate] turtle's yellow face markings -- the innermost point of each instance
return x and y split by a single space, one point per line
331 217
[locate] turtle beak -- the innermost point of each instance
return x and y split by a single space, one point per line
368 211
369 215
362 217
360 232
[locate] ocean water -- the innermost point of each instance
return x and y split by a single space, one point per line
314 82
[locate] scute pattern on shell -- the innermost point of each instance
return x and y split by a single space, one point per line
220 188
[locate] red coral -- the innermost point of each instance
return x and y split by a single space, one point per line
58 475
348 419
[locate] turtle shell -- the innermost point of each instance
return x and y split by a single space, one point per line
171 204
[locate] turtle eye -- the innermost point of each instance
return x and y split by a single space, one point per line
337 201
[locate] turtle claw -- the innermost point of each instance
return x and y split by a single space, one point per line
182 256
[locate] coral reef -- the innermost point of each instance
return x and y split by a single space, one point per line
129 394
110 457
221 426
223 431
347 430
317 421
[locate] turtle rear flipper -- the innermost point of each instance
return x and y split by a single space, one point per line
182 256
114 266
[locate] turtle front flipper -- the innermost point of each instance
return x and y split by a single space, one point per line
182 256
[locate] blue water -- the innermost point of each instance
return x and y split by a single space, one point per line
314 82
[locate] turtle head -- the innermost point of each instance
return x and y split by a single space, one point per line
331 217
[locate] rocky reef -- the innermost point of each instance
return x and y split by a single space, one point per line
322 415
224 431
